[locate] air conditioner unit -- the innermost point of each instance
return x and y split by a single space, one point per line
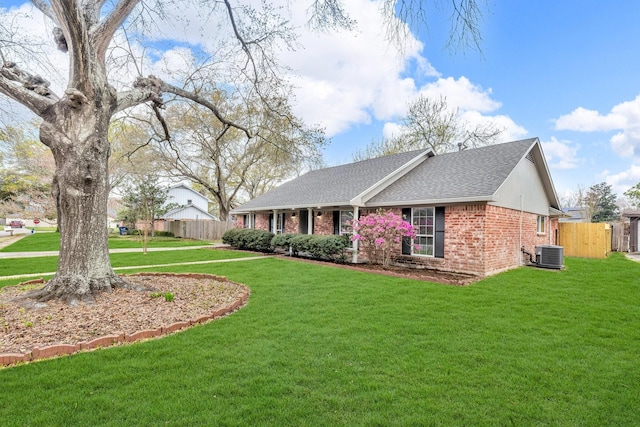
550 256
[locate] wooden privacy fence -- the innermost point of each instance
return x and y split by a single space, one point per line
200 230
585 240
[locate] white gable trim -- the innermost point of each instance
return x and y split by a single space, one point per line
362 198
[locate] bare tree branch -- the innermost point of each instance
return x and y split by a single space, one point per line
32 91
103 33
46 10
205 103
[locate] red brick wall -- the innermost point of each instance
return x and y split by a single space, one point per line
479 239
323 224
291 223
262 221
484 239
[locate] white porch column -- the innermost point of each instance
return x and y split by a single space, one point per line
354 244
274 226
309 220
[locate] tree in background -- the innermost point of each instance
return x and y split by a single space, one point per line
26 169
633 194
145 201
601 203
75 124
430 123
223 163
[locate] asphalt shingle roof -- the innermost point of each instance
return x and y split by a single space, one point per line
335 185
473 173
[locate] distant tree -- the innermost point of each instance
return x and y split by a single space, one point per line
144 202
430 123
223 163
601 200
26 169
633 194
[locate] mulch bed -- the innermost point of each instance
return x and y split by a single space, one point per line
426 274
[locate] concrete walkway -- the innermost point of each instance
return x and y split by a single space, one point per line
7 255
633 256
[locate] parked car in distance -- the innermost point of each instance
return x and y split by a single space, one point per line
16 224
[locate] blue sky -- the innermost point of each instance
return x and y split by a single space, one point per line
542 60
567 72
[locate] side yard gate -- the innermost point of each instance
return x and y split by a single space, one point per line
586 240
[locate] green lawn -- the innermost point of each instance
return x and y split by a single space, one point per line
14 266
323 346
38 242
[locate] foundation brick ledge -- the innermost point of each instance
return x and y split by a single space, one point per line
37 353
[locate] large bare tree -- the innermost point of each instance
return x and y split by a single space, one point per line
75 123
225 164
431 123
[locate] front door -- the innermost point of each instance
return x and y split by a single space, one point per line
303 227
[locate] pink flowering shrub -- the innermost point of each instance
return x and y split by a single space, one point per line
379 234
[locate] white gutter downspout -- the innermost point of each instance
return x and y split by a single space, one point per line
521 215
354 244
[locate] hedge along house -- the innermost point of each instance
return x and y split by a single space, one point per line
474 210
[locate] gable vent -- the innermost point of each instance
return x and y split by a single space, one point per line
530 157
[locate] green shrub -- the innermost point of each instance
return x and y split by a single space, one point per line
329 247
315 246
300 243
248 239
282 241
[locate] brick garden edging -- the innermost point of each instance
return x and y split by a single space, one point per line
38 353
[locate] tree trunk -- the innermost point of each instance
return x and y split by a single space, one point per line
77 137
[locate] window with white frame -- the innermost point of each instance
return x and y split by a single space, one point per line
346 222
542 224
249 221
423 221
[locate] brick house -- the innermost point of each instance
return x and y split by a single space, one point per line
474 209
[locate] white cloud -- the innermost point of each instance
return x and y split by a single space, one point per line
461 93
347 78
624 180
391 130
561 154
511 131
624 117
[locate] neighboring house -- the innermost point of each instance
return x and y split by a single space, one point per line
191 204
473 210
574 214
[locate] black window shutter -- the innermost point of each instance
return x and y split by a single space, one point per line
270 223
406 241
245 221
439 236
336 222
284 220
